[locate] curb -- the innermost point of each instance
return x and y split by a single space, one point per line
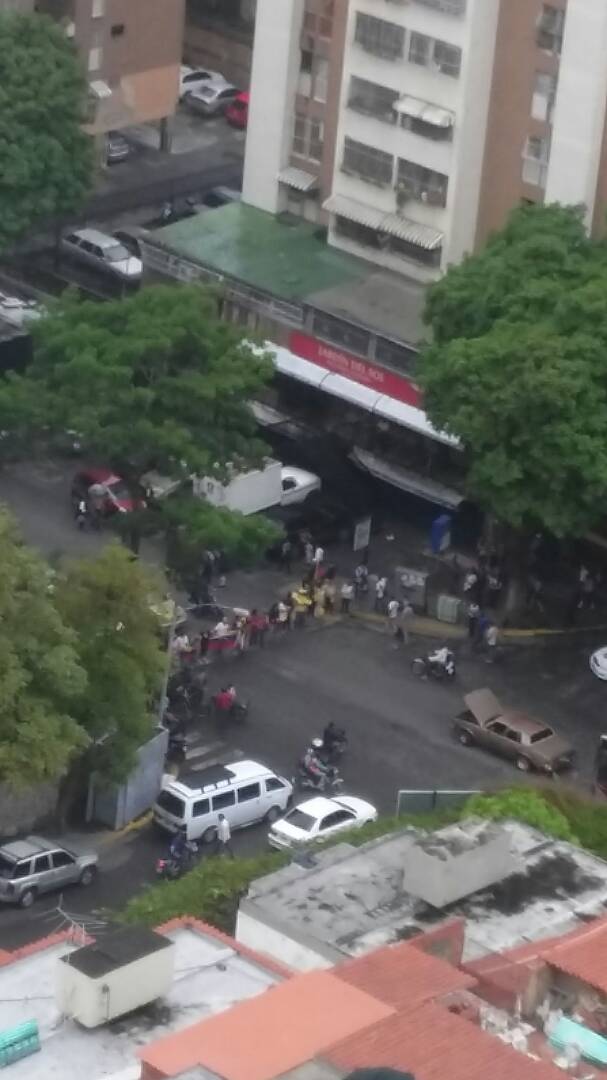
424 626
132 826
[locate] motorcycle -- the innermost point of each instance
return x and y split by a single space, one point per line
334 751
325 781
173 866
238 711
423 666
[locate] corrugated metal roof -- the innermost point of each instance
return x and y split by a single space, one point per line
298 179
424 110
412 232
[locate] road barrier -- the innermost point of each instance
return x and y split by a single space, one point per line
424 801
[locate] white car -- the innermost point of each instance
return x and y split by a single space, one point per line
598 663
193 78
18 312
212 98
319 818
104 252
297 484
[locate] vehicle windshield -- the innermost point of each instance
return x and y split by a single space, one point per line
539 736
117 253
171 803
301 820
7 867
118 490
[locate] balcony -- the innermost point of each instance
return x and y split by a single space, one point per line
448 7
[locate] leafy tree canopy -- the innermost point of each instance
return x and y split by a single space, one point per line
518 371
47 160
106 601
41 674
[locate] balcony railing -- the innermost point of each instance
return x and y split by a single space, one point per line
449 7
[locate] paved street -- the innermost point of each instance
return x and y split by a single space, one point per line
399 727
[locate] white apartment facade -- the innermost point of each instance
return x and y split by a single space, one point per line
411 128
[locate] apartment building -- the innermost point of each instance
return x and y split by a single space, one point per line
412 127
131 52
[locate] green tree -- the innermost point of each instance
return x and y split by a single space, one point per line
194 525
41 675
106 601
518 372
47 160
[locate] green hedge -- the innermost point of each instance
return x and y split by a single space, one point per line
522 804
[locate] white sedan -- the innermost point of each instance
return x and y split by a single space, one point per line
318 819
193 78
598 662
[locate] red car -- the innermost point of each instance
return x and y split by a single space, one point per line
115 494
237 112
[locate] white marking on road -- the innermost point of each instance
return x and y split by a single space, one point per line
230 754
205 748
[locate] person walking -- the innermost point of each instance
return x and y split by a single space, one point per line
380 594
392 619
491 635
361 578
347 595
286 554
309 553
319 558
473 614
405 621
223 843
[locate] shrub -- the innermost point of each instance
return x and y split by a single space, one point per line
211 891
587 819
522 804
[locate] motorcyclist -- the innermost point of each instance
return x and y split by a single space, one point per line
441 658
332 737
178 845
312 764
226 699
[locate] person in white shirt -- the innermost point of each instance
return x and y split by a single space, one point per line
223 843
347 595
221 629
393 613
380 593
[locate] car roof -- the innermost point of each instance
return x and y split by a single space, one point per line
317 806
526 724
220 775
98 473
26 848
95 236
302 475
214 85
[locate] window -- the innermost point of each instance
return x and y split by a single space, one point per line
543 733
544 92
274 784
42 863
338 817
22 870
325 19
426 52
340 332
535 160
308 137
549 35
201 807
95 58
380 37
301 820
226 798
304 84
98 10
321 78
438 132
248 792
425 185
61 859
169 802
117 30
496 727
370 164
514 736
395 355
378 101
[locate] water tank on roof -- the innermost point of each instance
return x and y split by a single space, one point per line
121 971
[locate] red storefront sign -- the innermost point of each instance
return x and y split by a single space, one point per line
361 371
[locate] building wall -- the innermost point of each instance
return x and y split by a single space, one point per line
273 942
23 7
22 809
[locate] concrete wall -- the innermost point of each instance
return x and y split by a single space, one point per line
23 808
117 806
274 942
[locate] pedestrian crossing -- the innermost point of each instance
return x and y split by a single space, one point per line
200 755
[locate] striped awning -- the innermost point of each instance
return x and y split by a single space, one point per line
298 179
423 236
423 110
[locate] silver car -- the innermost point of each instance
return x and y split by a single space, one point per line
32 866
212 98
104 252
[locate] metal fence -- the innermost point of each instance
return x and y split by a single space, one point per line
425 801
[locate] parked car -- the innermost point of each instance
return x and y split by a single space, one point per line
18 312
530 744
237 113
220 196
32 866
116 495
116 147
103 252
319 818
212 98
129 240
193 78
598 662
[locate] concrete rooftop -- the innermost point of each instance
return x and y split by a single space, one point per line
210 976
349 901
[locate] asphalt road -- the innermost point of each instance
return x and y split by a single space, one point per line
398 726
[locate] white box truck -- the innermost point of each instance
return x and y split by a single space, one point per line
250 492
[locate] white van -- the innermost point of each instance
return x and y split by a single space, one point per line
245 792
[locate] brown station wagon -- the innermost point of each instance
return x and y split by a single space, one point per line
529 743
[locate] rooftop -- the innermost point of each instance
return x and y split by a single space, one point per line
290 258
212 973
348 901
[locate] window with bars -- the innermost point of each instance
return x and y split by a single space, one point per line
372 99
424 185
377 36
429 52
308 135
544 92
367 162
550 26
535 160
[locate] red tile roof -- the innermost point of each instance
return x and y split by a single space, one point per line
404 976
434 1044
583 955
271 1033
